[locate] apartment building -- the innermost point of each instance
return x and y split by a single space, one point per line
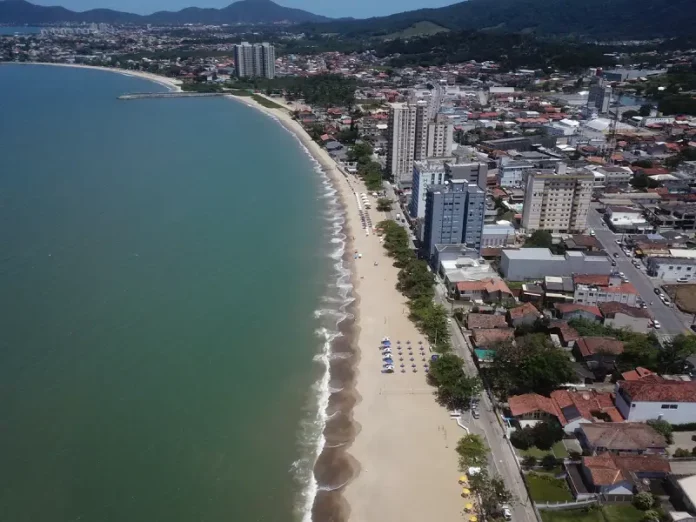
596 289
426 173
558 200
406 141
453 215
440 137
254 60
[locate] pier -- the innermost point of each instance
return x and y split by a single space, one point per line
143 95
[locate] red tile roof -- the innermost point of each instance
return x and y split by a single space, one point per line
474 321
567 332
637 374
590 346
608 469
485 337
622 436
612 308
566 308
650 390
575 405
523 310
531 402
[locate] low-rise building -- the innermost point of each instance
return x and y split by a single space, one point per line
620 315
570 311
595 289
598 351
647 399
626 219
501 234
487 338
671 268
610 474
616 177
526 314
621 437
487 321
486 290
536 263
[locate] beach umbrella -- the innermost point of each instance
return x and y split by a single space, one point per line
398 342
402 365
466 492
473 518
403 371
415 370
408 342
420 342
413 365
423 359
469 507
463 479
411 358
426 367
401 358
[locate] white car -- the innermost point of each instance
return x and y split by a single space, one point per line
656 324
507 514
592 232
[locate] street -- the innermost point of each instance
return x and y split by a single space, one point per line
671 319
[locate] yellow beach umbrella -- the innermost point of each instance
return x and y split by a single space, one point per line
473 518
466 492
463 479
469 506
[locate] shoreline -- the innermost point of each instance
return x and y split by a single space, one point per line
393 430
172 84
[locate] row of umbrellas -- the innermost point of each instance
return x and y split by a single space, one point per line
386 346
465 493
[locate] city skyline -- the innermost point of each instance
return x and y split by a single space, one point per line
356 9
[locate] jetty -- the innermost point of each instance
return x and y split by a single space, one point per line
143 95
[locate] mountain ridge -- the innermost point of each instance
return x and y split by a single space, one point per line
242 11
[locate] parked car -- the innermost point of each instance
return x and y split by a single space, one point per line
683 280
507 514
657 291
656 324
616 254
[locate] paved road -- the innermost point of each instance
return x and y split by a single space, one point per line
671 319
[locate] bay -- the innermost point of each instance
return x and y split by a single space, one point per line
161 261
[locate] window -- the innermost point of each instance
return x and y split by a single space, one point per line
669 406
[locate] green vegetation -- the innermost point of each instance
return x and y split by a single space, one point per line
592 514
539 239
454 389
544 488
678 104
424 28
558 450
266 102
472 452
201 87
533 364
416 282
491 492
324 90
687 154
384 204
370 171
542 435
663 427
643 500
642 181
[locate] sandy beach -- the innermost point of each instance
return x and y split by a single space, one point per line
170 83
405 446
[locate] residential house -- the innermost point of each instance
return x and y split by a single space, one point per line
621 438
671 268
531 408
638 373
583 243
649 398
566 333
487 338
594 289
526 313
569 311
620 315
487 321
488 290
598 351
581 407
610 474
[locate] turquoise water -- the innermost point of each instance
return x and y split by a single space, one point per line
161 263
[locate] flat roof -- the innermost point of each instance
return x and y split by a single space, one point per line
531 254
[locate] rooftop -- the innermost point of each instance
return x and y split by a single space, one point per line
524 310
475 321
649 390
622 436
566 308
485 337
607 469
589 346
612 308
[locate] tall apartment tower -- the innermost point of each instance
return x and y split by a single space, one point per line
421 138
557 201
401 142
454 215
254 60
440 137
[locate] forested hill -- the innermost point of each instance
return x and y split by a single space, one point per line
626 19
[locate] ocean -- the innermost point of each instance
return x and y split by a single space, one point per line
172 281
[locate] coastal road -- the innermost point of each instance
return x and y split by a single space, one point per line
670 318
503 460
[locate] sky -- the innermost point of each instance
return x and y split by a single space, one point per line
354 8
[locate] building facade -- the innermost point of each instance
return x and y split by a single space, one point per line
425 174
257 60
401 142
672 268
453 215
557 201
440 137
536 263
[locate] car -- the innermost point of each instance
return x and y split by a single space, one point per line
475 413
507 514
449 321
656 324
613 263
643 305
592 232
665 299
622 275
618 241
657 291
616 254
683 280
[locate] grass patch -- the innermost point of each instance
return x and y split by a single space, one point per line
266 102
423 28
544 488
683 295
572 515
238 92
558 450
622 513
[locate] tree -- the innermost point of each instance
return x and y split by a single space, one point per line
645 164
546 434
384 204
472 452
671 358
454 389
539 239
549 462
645 110
663 427
522 438
532 364
643 500
492 493
627 115
529 461
651 516
360 153
642 180
681 453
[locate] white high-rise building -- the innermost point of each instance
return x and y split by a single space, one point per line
254 60
440 137
407 139
421 138
557 201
